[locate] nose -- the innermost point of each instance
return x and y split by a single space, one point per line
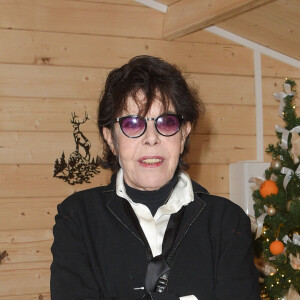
151 137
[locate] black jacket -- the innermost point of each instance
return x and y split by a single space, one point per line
98 253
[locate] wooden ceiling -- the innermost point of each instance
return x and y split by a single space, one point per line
271 23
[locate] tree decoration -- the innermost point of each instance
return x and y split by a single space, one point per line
290 174
295 261
296 231
295 150
277 207
268 188
276 164
264 267
264 295
276 247
271 211
287 91
292 294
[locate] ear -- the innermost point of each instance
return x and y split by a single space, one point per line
109 139
185 131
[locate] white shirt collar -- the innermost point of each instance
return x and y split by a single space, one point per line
182 195
154 227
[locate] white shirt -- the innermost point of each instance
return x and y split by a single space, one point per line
154 227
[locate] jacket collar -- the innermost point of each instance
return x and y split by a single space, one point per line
192 211
115 205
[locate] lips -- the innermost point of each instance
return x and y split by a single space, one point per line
152 161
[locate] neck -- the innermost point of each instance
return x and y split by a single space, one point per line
152 199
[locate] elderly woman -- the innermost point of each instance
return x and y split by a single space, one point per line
152 233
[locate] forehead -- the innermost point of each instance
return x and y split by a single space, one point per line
138 104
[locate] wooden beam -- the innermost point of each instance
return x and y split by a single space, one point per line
186 16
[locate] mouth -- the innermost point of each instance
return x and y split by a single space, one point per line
151 161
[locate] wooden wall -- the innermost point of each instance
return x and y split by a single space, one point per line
54 57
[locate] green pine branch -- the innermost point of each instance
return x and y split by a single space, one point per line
286 220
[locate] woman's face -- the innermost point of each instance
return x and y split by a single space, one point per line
149 161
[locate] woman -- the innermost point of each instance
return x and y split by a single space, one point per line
152 233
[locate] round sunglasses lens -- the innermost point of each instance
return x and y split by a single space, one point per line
133 126
168 124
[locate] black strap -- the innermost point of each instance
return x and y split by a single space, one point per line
171 231
158 268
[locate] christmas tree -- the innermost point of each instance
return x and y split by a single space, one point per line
277 208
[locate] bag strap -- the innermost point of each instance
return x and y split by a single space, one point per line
159 267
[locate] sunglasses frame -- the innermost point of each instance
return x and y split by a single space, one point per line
120 121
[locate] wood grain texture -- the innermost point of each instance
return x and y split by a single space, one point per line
274 25
50 81
221 149
215 178
223 89
86 84
45 114
26 245
28 281
42 148
186 16
25 266
122 2
227 119
28 213
36 296
81 17
58 49
203 36
277 69
38 181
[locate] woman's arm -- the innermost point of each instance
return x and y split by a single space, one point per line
237 277
71 275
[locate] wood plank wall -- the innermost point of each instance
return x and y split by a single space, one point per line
54 57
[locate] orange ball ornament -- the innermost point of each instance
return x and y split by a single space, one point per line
268 188
276 247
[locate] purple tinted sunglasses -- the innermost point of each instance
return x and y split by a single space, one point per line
165 124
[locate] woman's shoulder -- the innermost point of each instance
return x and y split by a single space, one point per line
215 202
85 198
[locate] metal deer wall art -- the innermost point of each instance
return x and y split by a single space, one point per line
79 137
79 167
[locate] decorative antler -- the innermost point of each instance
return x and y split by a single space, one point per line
86 117
73 118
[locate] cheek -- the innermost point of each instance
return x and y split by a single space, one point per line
127 148
175 148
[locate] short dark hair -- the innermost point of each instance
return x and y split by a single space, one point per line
152 75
